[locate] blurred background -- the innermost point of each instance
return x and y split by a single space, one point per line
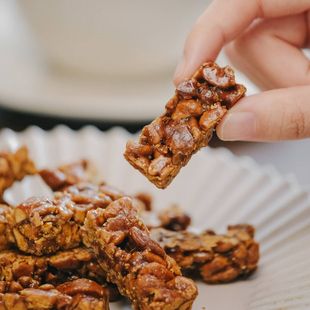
106 63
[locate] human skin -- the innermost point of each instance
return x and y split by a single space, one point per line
264 39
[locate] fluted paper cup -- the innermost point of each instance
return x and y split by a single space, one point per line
216 189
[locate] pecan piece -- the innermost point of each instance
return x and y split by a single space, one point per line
217 76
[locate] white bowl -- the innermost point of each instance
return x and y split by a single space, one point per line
217 189
113 38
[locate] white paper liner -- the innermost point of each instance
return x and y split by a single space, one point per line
217 189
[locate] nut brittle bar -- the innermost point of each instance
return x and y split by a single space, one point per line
81 294
133 261
217 258
199 104
44 226
28 270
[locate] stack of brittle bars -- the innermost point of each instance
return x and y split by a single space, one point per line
88 246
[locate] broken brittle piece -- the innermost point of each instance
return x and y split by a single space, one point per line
14 167
6 224
66 175
133 261
19 271
174 218
199 104
217 258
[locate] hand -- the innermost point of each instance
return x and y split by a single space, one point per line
263 38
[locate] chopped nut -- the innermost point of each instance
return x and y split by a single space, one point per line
220 77
187 88
211 117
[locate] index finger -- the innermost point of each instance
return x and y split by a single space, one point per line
223 21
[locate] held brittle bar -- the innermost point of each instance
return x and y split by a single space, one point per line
218 258
14 167
167 144
134 262
81 294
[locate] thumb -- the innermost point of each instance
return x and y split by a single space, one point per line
282 114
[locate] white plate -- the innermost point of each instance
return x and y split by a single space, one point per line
217 189
27 84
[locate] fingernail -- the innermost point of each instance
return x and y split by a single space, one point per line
178 74
238 126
